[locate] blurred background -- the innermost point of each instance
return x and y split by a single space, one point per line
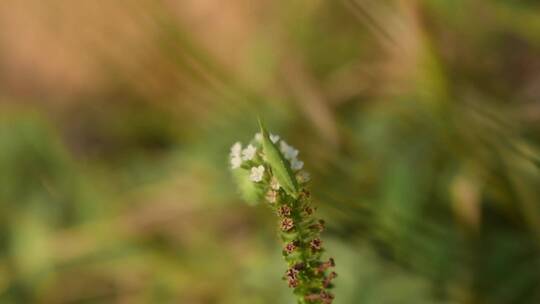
418 120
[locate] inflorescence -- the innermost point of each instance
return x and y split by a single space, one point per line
276 174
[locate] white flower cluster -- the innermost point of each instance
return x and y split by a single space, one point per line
291 154
240 155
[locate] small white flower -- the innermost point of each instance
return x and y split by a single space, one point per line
303 177
236 162
288 151
274 138
296 164
236 149
249 152
257 173
271 196
274 184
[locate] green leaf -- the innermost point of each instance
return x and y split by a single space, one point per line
279 165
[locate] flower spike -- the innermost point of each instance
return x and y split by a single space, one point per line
270 170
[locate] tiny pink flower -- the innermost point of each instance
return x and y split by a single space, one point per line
284 211
290 247
287 224
315 244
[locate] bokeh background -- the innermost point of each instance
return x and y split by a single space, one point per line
418 120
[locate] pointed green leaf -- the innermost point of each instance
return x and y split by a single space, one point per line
280 168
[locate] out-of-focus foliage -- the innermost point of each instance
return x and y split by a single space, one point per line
419 122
